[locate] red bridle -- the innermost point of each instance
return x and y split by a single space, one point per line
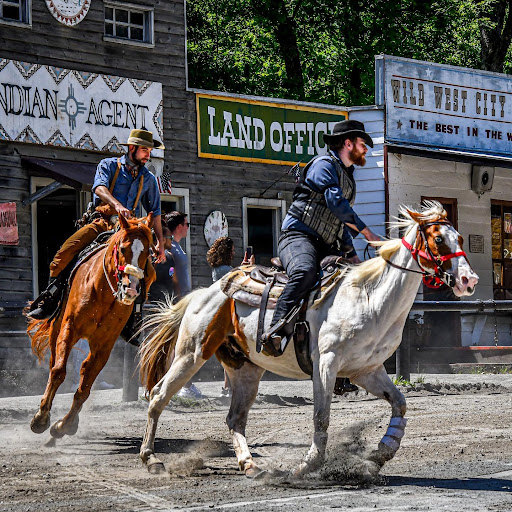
439 277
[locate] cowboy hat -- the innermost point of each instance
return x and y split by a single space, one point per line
143 138
348 128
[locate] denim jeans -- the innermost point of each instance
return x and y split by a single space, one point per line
300 256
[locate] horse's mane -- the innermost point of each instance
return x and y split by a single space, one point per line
367 273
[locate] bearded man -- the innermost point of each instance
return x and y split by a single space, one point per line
121 186
320 222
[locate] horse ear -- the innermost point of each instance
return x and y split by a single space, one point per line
123 222
149 220
415 216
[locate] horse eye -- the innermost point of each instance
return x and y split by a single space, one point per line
438 239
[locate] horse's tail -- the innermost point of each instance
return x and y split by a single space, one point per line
156 349
39 334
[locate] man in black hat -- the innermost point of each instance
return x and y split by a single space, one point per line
320 221
120 186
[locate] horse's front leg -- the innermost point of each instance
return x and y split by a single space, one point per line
324 377
244 385
90 369
379 384
61 342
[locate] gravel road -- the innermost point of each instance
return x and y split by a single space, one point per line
456 454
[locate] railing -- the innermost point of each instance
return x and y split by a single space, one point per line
403 354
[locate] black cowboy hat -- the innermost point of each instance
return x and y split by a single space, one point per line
346 129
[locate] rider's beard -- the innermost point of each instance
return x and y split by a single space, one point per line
357 157
135 160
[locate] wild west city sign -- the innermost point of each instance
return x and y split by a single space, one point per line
253 130
445 106
76 109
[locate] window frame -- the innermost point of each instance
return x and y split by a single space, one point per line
149 23
500 288
26 9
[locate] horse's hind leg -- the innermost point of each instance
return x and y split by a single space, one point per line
183 368
324 377
244 385
61 344
90 369
379 384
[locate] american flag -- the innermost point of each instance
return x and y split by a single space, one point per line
295 171
164 183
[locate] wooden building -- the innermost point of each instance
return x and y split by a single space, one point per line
75 77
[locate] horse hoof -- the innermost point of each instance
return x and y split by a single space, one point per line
55 431
155 466
37 426
255 472
73 428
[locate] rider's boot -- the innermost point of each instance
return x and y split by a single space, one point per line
44 306
343 385
273 344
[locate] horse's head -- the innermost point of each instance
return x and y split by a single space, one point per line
131 247
438 251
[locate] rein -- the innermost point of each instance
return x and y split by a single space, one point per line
119 270
439 276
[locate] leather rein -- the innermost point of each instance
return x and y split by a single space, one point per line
439 276
119 270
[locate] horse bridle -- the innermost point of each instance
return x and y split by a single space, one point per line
119 271
431 279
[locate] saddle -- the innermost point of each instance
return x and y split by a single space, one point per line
260 287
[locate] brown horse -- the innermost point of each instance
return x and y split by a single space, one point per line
101 295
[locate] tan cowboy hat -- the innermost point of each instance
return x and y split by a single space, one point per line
143 138
348 128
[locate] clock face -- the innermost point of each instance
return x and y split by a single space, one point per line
215 226
68 12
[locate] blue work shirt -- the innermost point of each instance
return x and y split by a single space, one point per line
321 177
126 188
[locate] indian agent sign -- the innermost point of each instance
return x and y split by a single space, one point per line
260 131
75 109
445 106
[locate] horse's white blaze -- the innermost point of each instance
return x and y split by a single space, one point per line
465 278
130 291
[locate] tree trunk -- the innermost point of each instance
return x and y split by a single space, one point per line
496 36
285 30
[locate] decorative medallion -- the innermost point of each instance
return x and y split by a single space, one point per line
68 12
215 226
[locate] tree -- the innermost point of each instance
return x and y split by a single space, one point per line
324 50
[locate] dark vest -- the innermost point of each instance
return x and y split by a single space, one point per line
310 207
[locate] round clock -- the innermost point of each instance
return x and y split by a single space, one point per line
68 12
215 226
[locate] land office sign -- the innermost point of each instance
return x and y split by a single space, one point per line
75 109
445 106
260 131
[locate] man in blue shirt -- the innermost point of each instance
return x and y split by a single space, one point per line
320 222
121 186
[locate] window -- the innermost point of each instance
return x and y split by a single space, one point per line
501 228
15 11
128 23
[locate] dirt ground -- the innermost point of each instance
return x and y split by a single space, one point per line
456 454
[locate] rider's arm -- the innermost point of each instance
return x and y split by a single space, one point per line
322 177
103 193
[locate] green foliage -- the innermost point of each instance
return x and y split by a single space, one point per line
249 46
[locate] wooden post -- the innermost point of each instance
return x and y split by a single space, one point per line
403 355
130 374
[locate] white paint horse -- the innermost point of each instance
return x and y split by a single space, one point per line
353 331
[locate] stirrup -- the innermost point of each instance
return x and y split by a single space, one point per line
273 345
